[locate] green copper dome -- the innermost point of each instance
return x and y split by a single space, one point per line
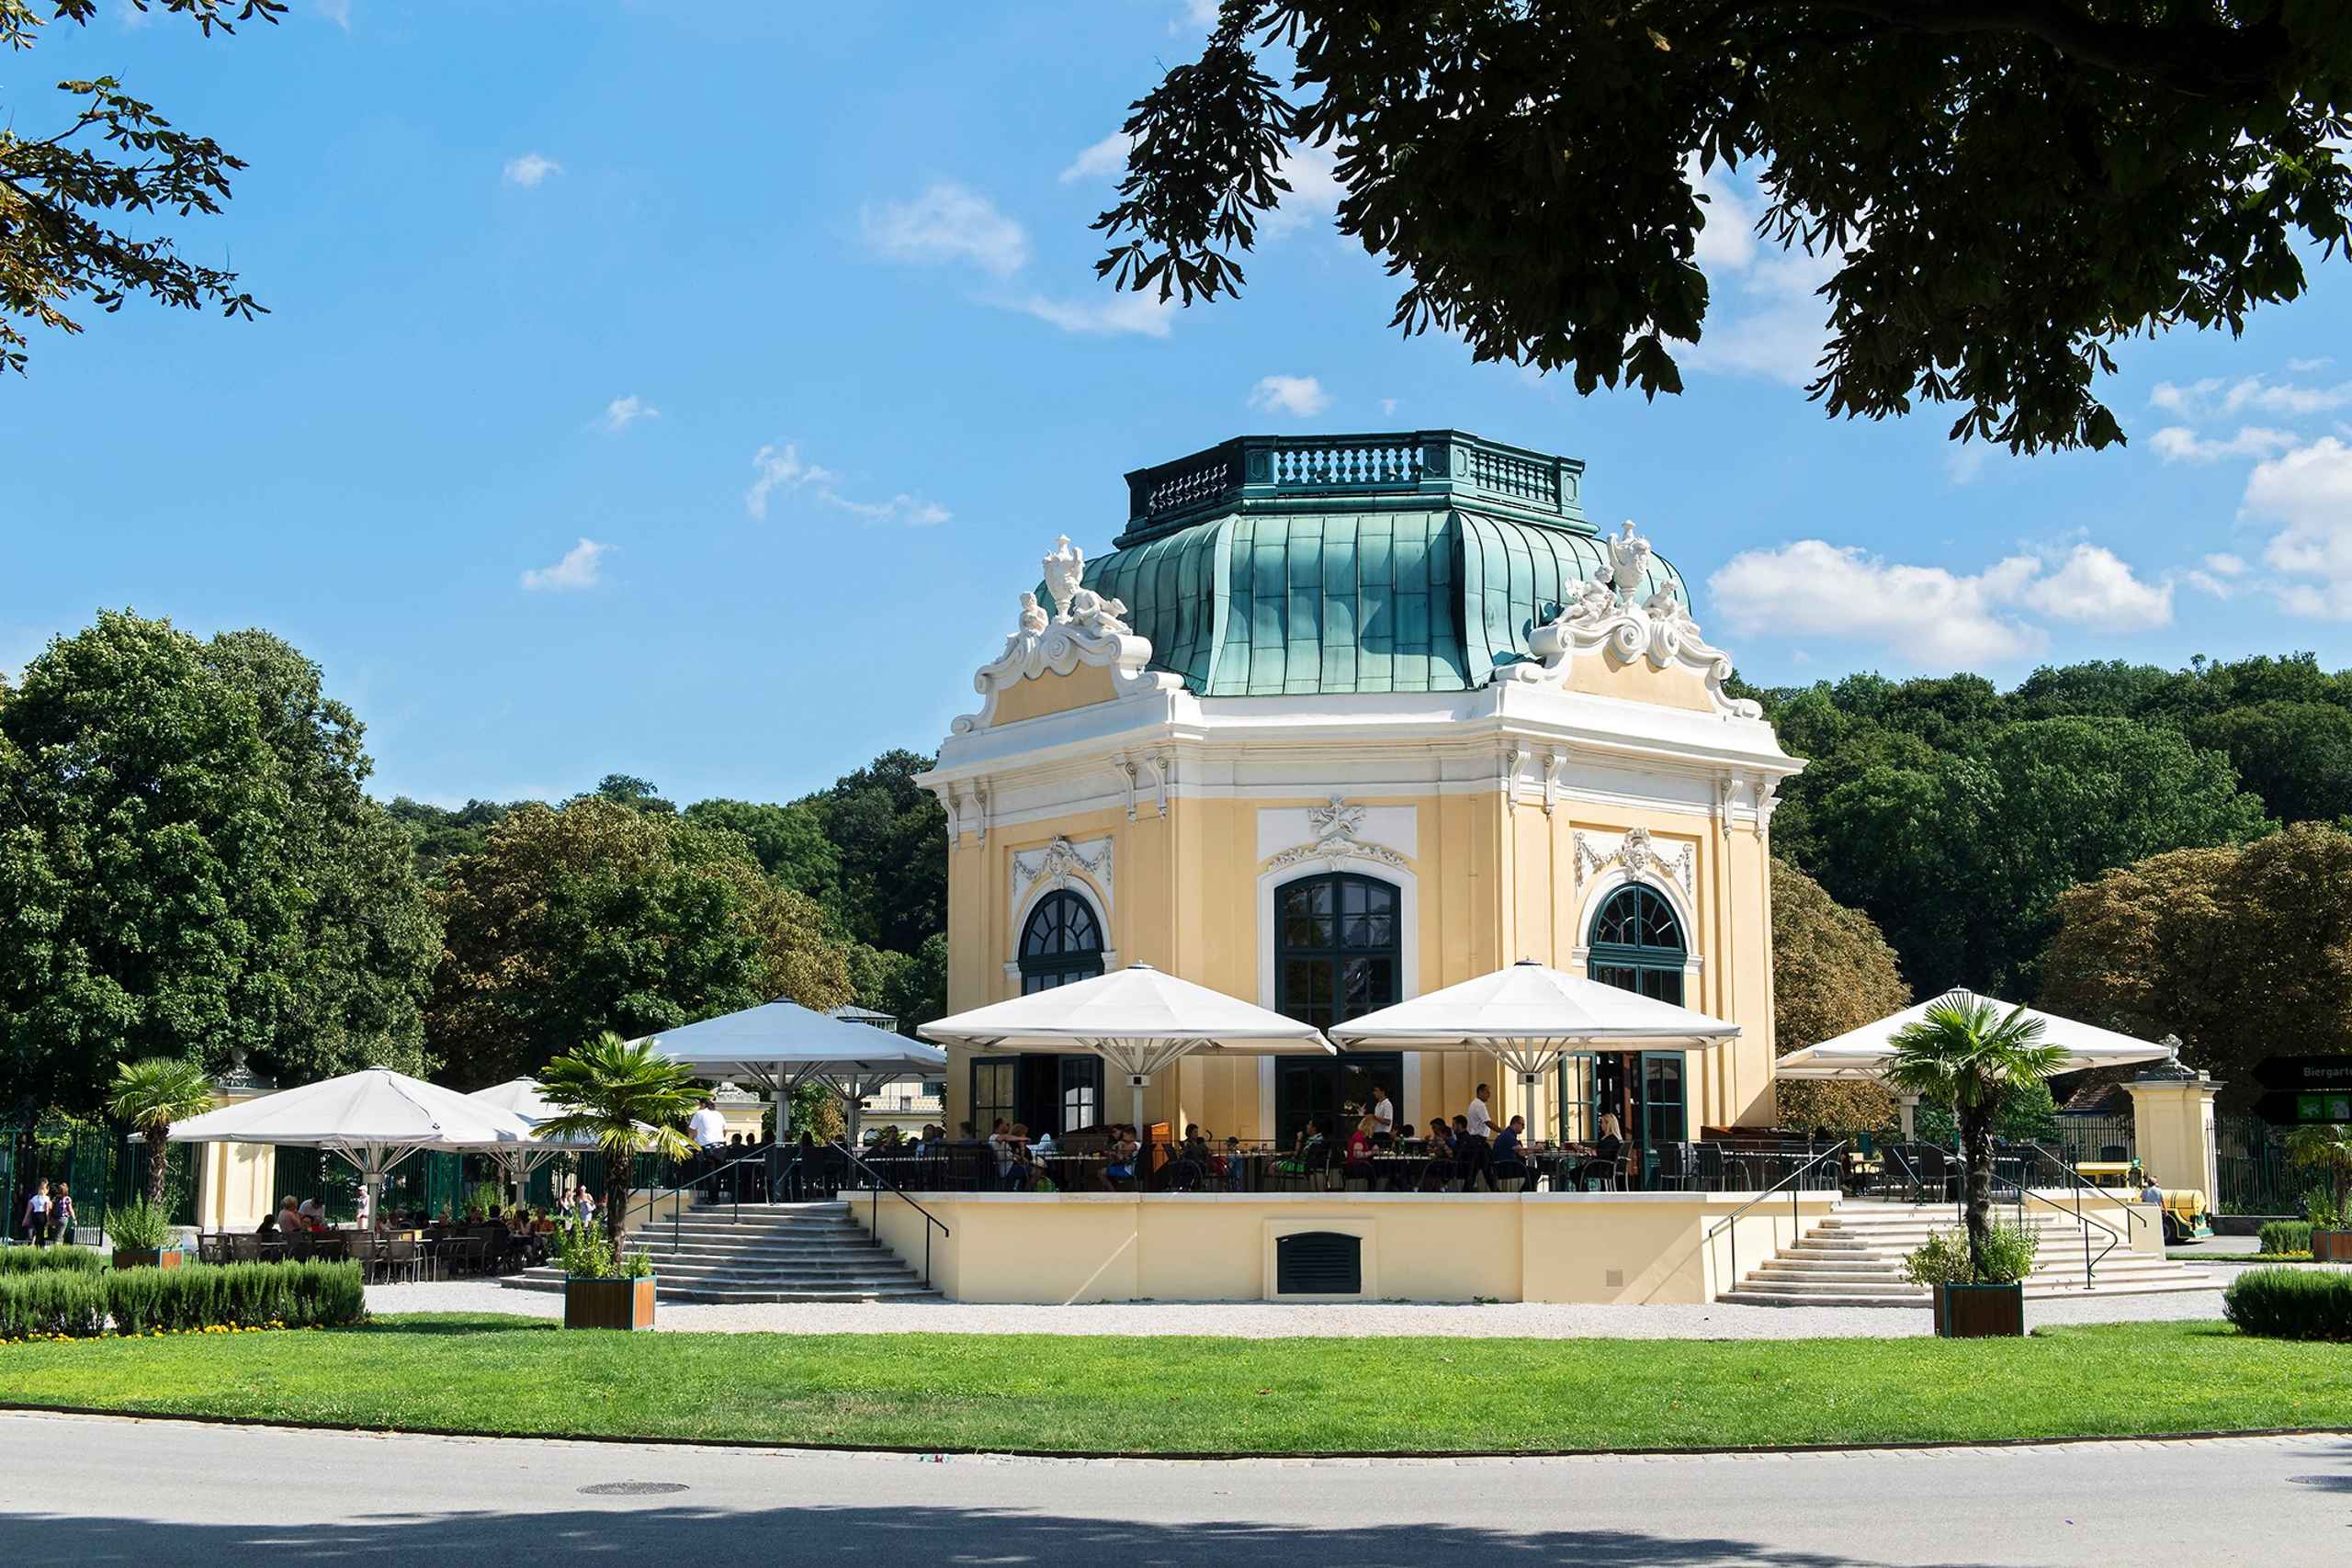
1291 566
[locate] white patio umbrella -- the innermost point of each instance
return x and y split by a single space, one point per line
1865 1053
526 1099
1528 1017
374 1118
1137 1019
782 1044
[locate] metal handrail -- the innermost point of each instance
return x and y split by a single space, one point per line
874 1214
677 1215
1795 1223
2078 1185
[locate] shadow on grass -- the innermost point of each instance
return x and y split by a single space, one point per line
454 1322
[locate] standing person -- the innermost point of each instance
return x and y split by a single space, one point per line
37 1214
1383 1111
61 1214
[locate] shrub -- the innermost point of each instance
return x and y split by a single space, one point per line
2291 1304
140 1301
40 1260
2285 1235
139 1227
2320 1208
53 1301
1943 1259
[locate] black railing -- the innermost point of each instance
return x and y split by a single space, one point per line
873 1217
1796 1226
695 1184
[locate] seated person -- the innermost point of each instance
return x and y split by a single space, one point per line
1508 1157
1606 1151
1124 1152
1307 1154
1229 1166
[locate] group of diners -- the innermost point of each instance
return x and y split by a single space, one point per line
1469 1151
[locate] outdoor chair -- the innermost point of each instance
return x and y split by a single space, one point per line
213 1249
1677 1171
401 1258
2113 1154
241 1248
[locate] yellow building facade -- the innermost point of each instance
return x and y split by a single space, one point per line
1338 721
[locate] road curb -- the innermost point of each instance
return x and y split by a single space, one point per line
936 1452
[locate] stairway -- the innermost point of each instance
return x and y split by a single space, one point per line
1854 1258
776 1252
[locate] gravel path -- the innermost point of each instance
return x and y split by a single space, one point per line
1269 1320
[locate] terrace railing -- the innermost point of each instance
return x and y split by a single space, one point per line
1792 1182
1418 467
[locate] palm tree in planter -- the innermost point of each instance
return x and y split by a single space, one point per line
626 1099
1961 1050
2328 1151
151 1095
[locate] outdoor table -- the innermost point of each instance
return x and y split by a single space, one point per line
1399 1173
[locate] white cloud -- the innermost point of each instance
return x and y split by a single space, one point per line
1387 405
780 468
1197 15
2178 444
1727 242
2093 587
579 570
2305 366
1927 615
1109 313
1301 395
1106 159
2226 565
1315 191
622 412
780 471
335 11
2218 397
947 223
530 168
2307 492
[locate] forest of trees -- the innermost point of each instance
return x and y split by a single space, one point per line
190 864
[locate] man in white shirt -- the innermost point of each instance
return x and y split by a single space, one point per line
1383 1112
1481 1121
707 1127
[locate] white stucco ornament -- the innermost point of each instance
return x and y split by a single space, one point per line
1336 826
1085 628
1601 617
1641 857
1059 865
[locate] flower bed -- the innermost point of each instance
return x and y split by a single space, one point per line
2287 1235
71 1303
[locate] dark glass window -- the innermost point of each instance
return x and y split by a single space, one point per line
1337 948
1062 941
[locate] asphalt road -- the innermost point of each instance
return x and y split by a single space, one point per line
156 1494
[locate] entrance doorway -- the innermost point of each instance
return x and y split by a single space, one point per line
1637 945
1335 1091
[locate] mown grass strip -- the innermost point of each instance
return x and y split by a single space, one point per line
1061 1394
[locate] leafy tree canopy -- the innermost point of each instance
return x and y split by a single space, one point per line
2006 189
61 190
603 916
1831 972
788 841
2244 952
891 836
189 870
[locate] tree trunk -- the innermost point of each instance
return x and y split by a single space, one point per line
619 1175
1976 1166
159 1154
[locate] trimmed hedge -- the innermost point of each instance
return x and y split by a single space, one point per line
2291 1303
2287 1235
198 1296
40 1260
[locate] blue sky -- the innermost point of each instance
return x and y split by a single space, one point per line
688 389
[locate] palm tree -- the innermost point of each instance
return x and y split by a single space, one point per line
2328 1150
152 1094
1960 1049
628 1098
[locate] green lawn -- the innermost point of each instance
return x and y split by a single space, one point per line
520 1375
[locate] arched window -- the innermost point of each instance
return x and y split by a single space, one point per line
1337 948
1062 941
1637 943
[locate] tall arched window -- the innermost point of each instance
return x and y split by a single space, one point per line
1337 948
1062 941
1637 945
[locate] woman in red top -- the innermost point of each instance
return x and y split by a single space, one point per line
1359 1162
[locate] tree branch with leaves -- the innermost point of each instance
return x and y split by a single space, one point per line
2007 187
64 197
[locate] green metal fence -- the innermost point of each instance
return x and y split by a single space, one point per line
2254 1175
2084 1138
100 1166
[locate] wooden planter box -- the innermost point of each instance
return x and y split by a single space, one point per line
608 1304
2331 1247
1980 1312
124 1257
